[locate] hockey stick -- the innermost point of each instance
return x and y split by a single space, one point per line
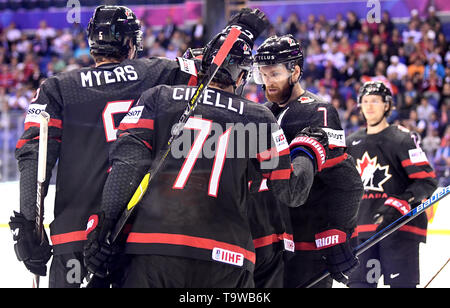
176 130
42 166
377 237
440 270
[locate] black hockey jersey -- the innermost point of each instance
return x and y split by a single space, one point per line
86 107
196 205
391 163
336 191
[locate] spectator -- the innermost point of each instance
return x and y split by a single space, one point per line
434 66
431 143
198 34
12 33
44 31
397 70
415 124
425 110
81 50
18 101
416 68
169 28
441 160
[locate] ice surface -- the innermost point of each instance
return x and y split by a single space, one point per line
13 273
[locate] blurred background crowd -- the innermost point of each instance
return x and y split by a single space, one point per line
340 54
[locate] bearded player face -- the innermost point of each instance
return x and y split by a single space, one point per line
276 81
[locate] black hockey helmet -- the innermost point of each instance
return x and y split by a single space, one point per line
111 29
376 88
238 60
279 50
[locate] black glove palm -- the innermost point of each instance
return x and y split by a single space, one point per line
28 248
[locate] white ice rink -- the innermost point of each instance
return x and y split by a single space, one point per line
433 254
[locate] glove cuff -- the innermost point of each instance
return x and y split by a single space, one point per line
330 238
313 146
400 205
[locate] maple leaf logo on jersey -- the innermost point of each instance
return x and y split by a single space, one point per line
373 175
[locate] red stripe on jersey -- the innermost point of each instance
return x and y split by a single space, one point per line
52 123
415 230
305 246
270 153
22 142
334 161
55 123
283 174
69 237
186 240
192 81
364 228
373 227
142 123
422 175
147 144
408 163
271 239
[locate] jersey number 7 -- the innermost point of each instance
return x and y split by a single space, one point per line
204 128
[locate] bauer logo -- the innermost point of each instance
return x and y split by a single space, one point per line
227 256
34 112
280 140
133 115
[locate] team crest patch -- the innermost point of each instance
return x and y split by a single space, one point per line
305 100
373 175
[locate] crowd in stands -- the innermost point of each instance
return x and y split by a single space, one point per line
413 59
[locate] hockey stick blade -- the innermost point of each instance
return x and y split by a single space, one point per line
377 237
42 167
176 130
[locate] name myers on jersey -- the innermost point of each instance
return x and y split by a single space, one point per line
93 78
209 97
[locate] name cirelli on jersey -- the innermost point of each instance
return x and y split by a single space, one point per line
209 97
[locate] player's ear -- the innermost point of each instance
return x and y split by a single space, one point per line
296 74
240 79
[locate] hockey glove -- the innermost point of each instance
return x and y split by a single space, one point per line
313 143
393 209
338 254
28 246
252 22
98 253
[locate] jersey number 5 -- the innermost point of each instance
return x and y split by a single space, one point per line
109 111
204 128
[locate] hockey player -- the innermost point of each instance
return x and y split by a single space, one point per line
86 107
396 177
324 222
193 219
